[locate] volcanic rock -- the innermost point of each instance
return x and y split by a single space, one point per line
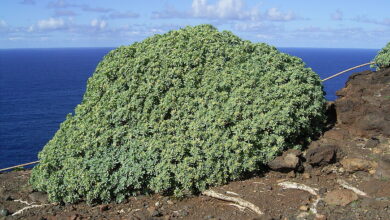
383 170
363 104
357 164
340 197
372 142
322 155
288 161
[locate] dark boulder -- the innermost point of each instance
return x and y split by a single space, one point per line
322 155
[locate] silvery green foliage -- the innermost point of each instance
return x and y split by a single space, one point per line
382 59
178 113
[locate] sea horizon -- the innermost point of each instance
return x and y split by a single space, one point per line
86 47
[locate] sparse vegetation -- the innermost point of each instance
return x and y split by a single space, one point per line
178 113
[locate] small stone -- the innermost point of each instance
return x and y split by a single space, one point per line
184 213
268 187
303 208
302 215
208 217
372 171
377 151
372 142
320 217
103 208
291 174
306 175
340 197
74 217
4 212
154 212
169 202
307 167
328 170
322 191
180 213
157 204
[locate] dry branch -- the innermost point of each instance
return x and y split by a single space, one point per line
311 190
28 207
344 184
239 201
24 202
232 193
292 185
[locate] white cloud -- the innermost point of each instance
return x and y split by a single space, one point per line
264 36
259 27
51 24
3 24
365 19
99 24
223 9
15 38
170 12
337 15
274 14
95 9
123 15
61 4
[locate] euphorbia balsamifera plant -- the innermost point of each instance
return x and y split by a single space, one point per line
178 113
382 59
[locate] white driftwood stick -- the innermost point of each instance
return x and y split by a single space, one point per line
313 207
344 184
28 207
241 208
292 185
311 190
259 183
24 202
239 201
232 193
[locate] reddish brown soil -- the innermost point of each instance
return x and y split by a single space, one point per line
355 135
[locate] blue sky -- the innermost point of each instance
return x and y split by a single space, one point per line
111 23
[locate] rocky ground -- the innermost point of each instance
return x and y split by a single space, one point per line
345 174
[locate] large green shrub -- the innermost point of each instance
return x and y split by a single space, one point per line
180 112
382 59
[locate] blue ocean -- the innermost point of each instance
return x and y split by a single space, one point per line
39 87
